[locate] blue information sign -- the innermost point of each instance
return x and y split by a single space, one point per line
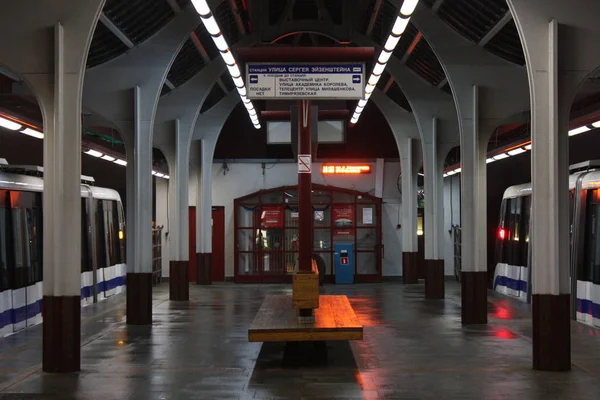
295 81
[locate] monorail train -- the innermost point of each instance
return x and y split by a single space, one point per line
512 258
21 247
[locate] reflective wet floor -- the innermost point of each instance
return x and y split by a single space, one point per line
412 349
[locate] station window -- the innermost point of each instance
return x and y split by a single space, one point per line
86 263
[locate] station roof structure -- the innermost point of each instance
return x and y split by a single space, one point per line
124 26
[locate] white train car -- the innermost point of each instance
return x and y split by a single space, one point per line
103 267
512 272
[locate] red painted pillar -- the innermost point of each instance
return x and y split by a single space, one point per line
305 226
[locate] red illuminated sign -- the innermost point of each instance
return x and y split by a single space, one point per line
346 169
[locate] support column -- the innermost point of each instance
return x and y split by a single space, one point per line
434 214
410 161
305 220
550 215
139 265
474 218
178 186
62 219
204 212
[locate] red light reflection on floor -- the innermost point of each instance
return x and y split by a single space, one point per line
502 333
502 313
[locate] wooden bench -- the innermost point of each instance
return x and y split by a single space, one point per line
277 321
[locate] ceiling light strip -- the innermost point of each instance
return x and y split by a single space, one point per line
211 25
402 19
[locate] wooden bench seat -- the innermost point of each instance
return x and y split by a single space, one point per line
277 321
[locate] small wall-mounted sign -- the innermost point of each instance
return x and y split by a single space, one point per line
353 169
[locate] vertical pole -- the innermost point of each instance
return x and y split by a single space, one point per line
550 218
304 191
62 220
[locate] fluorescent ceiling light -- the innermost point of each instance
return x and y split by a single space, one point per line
234 70
220 43
8 124
369 88
166 177
93 153
516 151
457 170
445 175
108 158
378 70
33 132
391 43
596 124
528 147
408 7
501 156
201 7
228 57
579 130
400 25
241 90
257 126
120 162
374 79
489 160
367 95
158 174
362 103
451 172
384 57
238 81
211 25
248 106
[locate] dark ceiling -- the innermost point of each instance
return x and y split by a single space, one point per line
126 24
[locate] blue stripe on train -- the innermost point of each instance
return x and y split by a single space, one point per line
514 284
86 291
14 316
585 306
20 314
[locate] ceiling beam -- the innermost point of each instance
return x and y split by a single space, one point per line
174 5
169 84
205 57
323 13
412 46
287 12
238 18
374 16
388 85
495 29
436 6
116 31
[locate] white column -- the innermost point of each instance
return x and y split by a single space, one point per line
550 179
473 192
199 248
205 211
142 193
434 157
62 181
182 195
409 162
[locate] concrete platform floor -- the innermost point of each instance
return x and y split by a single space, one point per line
413 349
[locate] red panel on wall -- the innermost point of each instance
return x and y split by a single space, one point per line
218 244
